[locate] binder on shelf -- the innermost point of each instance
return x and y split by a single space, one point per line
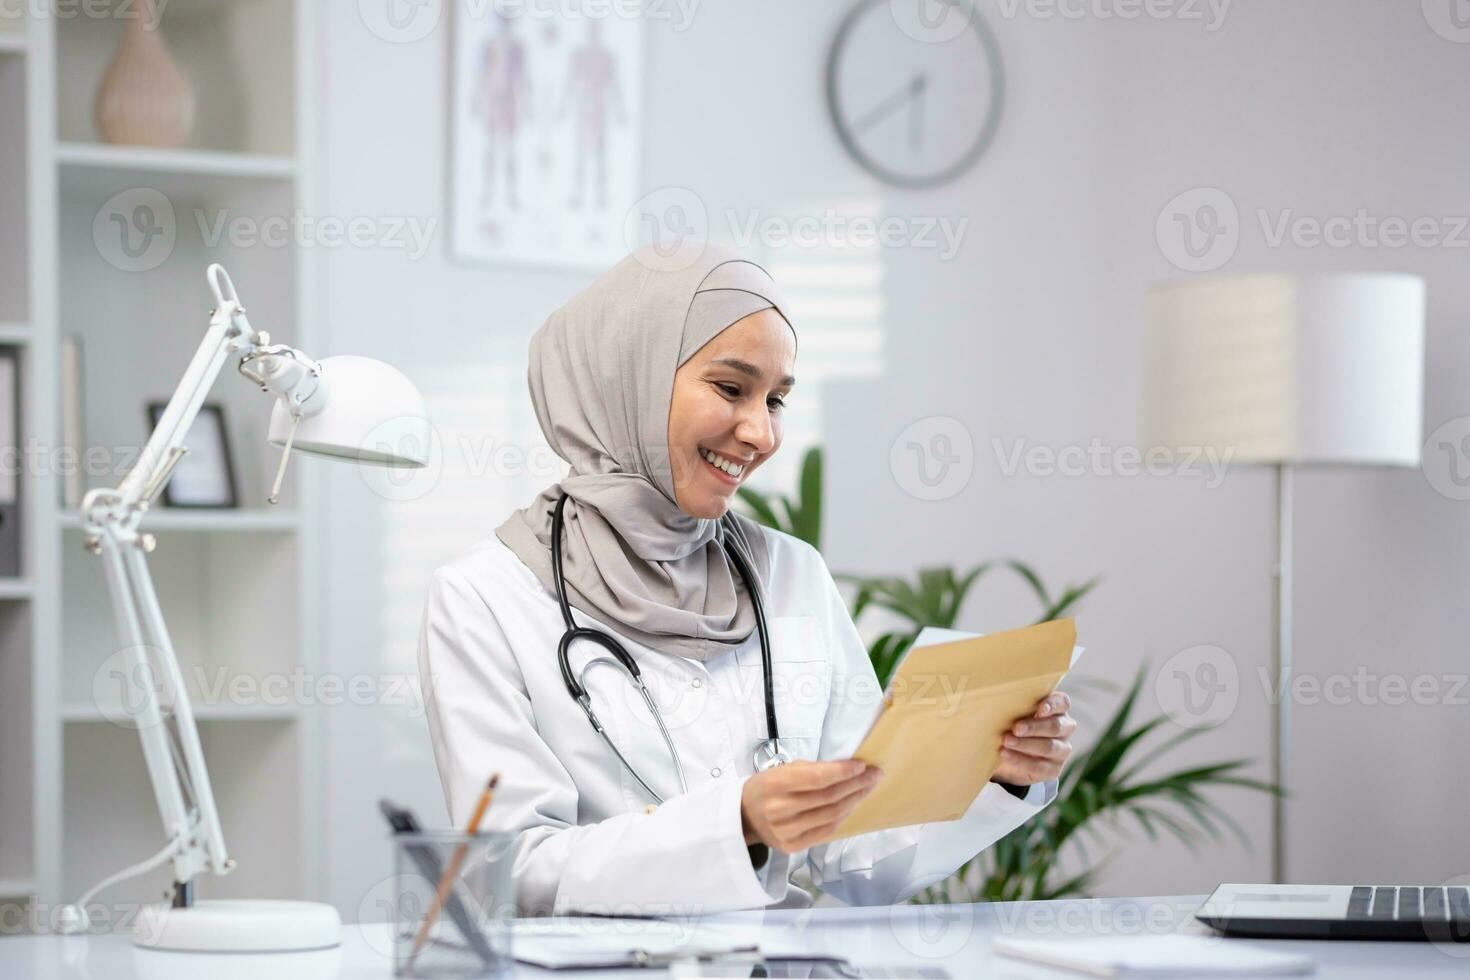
10 459
73 485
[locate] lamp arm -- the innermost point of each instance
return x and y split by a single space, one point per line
111 518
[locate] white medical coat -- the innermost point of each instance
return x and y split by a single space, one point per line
587 841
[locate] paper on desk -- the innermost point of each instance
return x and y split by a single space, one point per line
937 737
1156 956
587 942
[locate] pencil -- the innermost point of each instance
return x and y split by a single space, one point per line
446 880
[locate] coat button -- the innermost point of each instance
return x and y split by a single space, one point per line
715 773
697 682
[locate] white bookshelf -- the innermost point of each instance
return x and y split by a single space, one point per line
125 159
236 585
183 519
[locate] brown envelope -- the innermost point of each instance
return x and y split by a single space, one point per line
948 706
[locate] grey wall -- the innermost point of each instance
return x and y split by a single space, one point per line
1030 333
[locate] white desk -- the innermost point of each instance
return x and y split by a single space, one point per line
956 937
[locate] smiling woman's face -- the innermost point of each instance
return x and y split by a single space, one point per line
728 402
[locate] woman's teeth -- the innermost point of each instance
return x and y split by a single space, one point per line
722 463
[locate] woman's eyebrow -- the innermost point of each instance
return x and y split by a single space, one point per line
745 367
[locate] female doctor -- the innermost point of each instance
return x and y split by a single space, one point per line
683 772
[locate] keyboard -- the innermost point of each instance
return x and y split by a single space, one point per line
1438 913
1409 903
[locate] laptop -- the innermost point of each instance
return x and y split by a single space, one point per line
1424 913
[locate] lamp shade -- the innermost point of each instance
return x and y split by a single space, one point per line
1286 369
373 414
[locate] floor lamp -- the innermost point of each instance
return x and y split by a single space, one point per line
1286 371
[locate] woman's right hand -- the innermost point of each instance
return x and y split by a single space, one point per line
798 805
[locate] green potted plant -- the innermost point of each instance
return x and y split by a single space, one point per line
1106 789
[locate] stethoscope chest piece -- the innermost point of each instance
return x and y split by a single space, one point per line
769 755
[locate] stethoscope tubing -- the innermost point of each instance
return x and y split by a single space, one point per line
771 747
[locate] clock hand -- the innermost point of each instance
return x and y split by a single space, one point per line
888 105
916 118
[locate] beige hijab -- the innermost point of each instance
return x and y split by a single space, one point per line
602 379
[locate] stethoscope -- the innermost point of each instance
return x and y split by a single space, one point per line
767 754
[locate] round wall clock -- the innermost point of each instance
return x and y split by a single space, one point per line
915 88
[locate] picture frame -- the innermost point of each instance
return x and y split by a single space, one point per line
546 131
205 477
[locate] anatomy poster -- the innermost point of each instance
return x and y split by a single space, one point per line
546 128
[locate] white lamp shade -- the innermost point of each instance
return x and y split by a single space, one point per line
373 414
1285 369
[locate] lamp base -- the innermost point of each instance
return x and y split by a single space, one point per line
239 926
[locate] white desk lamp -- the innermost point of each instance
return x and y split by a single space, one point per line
1284 371
350 408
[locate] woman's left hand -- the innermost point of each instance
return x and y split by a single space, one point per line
1036 747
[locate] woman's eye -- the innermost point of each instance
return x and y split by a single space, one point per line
776 402
730 390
